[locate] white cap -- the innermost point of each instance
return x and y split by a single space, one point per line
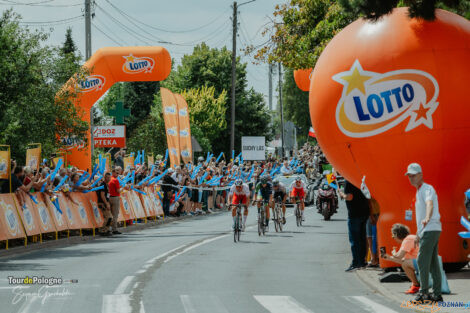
170 170
413 168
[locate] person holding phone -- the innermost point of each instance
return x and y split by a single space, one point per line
406 255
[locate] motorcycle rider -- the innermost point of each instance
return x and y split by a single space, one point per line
280 193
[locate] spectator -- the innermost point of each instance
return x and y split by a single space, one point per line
429 230
358 213
371 232
119 158
105 205
406 255
168 188
114 197
285 169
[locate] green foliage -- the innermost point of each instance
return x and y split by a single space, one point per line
212 68
207 112
307 26
295 105
30 75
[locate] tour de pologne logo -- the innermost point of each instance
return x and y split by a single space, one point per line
91 83
10 218
372 103
44 216
135 65
96 212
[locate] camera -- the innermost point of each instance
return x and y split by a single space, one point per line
382 251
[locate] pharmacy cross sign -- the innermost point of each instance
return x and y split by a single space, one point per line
119 112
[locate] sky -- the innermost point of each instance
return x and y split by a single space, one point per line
145 22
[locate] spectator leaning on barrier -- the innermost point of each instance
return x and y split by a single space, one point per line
429 226
169 185
105 205
358 213
114 197
406 255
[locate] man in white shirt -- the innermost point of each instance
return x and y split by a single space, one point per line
429 231
285 169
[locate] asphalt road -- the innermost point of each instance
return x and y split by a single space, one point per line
193 266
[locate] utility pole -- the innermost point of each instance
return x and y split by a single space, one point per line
234 64
87 56
270 78
282 111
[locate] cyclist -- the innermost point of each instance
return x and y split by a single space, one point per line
239 194
279 191
297 189
264 191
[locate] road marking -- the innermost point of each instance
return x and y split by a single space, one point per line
116 304
193 247
188 306
370 305
123 285
281 304
153 260
15 287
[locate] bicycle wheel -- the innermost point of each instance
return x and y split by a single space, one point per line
279 218
263 221
297 216
259 224
235 230
276 219
240 225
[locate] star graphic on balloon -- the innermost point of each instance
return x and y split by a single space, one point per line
422 115
355 78
129 58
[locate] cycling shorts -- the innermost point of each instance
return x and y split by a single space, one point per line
279 194
237 199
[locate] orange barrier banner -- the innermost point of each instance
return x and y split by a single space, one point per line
91 199
4 164
60 219
170 115
29 216
49 220
155 199
44 219
70 212
136 205
126 206
84 212
184 129
10 223
33 158
147 202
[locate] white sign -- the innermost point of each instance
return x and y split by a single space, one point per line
109 136
253 148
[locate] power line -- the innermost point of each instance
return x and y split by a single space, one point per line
31 3
39 4
109 37
109 30
56 22
165 30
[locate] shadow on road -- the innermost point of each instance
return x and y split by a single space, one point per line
257 242
9 267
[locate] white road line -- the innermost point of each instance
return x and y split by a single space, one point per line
142 310
153 260
187 304
123 285
116 304
193 247
370 305
15 287
281 304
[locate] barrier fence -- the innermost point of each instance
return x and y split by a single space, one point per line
72 211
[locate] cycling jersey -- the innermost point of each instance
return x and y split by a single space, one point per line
240 196
298 191
264 192
280 192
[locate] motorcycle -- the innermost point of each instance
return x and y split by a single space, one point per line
327 201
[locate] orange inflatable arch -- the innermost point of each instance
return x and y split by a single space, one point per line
105 68
302 78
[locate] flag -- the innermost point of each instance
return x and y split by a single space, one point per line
330 178
184 129
170 116
311 133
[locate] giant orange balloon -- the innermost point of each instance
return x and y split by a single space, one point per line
393 92
302 78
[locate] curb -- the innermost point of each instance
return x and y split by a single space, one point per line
65 242
377 287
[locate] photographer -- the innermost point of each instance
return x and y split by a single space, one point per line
406 255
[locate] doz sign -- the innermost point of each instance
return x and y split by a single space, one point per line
109 136
253 148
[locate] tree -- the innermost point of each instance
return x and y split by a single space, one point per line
307 26
207 112
29 109
212 68
295 104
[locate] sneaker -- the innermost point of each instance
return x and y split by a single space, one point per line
438 298
243 227
351 268
266 229
421 297
106 234
210 211
283 220
413 289
117 232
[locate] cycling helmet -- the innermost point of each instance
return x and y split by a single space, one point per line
264 180
275 183
298 178
238 182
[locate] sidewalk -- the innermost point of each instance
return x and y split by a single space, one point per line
459 284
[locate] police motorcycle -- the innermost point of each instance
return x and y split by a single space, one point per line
327 199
